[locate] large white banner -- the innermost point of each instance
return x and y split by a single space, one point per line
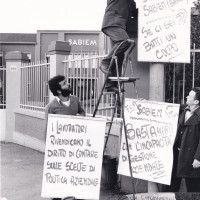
164 30
151 130
73 157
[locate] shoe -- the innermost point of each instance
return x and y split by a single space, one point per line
111 89
104 68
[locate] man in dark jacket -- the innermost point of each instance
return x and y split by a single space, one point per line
187 146
117 15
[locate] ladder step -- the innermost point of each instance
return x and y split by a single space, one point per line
106 108
123 79
108 93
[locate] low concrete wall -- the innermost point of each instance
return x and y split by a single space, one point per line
29 129
29 125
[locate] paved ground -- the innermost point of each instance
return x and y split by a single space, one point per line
21 174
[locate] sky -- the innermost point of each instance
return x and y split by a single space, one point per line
28 16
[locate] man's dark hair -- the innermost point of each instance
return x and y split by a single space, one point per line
54 84
197 95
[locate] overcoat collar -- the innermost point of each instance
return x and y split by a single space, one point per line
191 120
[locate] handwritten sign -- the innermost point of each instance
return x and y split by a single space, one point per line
73 157
164 31
148 196
151 130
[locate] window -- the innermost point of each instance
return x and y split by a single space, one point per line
29 56
47 58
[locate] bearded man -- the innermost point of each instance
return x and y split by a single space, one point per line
64 103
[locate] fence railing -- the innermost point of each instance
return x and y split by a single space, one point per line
2 87
34 85
83 75
180 78
86 81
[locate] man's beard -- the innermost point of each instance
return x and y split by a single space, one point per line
66 92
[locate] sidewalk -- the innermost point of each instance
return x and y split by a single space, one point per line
21 174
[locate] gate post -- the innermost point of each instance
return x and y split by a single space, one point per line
2 103
2 124
14 60
156 82
57 51
156 93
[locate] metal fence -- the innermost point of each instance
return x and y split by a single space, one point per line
83 74
2 87
34 85
86 81
180 78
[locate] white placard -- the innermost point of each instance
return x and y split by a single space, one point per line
164 31
73 157
155 196
151 130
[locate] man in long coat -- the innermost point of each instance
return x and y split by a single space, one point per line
187 146
116 17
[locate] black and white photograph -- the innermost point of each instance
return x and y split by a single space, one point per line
100 100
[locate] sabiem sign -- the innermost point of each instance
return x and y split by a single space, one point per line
83 42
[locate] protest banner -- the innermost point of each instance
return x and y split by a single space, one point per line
164 30
151 129
73 157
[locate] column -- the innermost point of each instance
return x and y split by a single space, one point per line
57 51
156 93
13 62
156 82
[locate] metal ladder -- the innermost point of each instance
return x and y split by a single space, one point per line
119 101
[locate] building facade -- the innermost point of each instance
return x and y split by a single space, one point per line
36 45
81 42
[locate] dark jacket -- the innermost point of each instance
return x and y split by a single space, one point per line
118 12
188 140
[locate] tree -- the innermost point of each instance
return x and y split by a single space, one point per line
195 39
195 26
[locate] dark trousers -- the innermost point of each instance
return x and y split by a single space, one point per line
173 187
116 35
192 184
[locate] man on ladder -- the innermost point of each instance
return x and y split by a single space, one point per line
115 21
117 15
